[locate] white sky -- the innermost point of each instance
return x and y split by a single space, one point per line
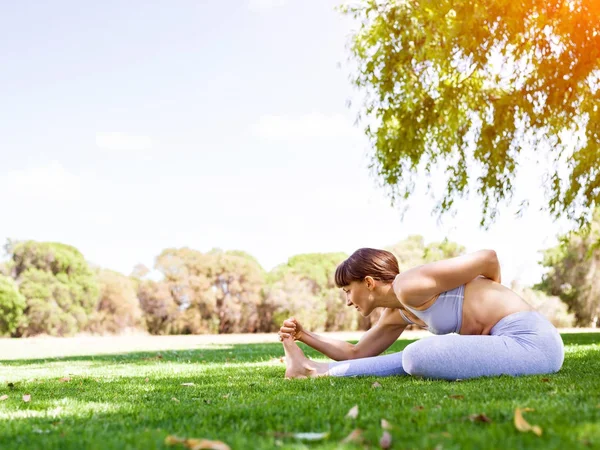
130 127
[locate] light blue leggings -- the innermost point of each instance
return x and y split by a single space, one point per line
523 343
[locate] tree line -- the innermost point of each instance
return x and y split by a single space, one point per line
48 288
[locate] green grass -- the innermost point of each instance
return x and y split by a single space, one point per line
240 397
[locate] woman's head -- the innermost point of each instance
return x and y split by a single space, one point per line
363 275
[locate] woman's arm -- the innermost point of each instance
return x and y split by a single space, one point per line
416 286
373 342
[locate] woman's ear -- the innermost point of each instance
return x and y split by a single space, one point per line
370 282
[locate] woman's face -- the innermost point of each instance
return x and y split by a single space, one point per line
360 297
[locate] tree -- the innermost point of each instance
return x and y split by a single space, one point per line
324 304
161 312
220 290
574 273
59 287
433 99
118 308
12 305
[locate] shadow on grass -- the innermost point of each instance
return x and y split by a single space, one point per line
232 353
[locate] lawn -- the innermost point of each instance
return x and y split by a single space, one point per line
237 394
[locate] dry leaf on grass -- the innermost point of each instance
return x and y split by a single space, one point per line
385 425
27 398
355 436
175 400
4 397
197 444
353 413
65 379
457 397
147 379
479 418
386 440
419 408
376 385
545 380
187 384
522 425
311 436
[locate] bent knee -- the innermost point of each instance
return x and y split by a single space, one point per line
413 360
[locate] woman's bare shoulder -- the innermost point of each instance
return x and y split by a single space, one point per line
391 316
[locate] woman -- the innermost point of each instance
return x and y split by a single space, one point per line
498 332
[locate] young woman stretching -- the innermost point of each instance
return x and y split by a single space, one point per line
497 331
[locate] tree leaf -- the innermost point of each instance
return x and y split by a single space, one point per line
353 413
311 436
479 418
196 444
27 398
385 425
65 379
457 397
355 436
386 440
522 425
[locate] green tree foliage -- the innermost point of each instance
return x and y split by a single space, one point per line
433 99
574 273
412 251
118 308
59 287
12 305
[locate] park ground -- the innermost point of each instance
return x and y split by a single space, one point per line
163 392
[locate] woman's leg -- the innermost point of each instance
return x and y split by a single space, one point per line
380 366
299 366
523 343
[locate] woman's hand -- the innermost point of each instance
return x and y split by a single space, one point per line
291 328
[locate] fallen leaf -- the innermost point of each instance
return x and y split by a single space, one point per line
4 397
311 436
173 440
419 408
457 397
27 398
226 395
353 413
187 384
446 434
545 380
282 359
385 425
196 444
65 379
354 436
147 379
386 440
376 385
175 400
479 418
522 425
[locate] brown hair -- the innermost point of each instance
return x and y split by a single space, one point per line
379 264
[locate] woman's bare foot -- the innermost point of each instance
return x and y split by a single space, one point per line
298 365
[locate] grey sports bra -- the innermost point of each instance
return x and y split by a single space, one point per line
445 315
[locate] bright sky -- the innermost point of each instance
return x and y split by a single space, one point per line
130 127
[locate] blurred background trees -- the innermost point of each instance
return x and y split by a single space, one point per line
49 288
